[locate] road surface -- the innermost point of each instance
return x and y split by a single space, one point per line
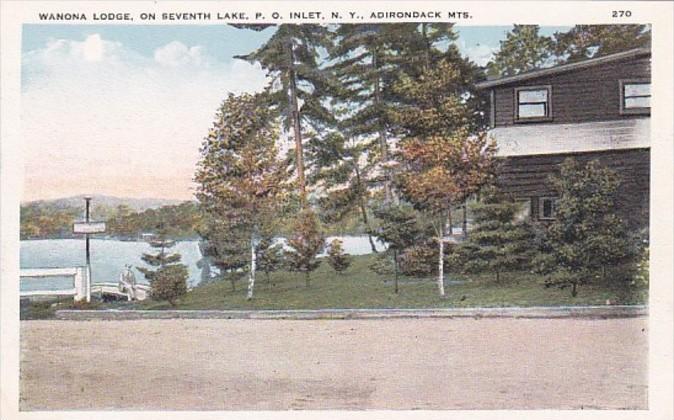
332 364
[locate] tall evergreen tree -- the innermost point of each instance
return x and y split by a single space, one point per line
241 178
299 86
365 65
524 49
588 41
342 169
587 236
498 243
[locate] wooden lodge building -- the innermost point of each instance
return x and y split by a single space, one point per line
594 109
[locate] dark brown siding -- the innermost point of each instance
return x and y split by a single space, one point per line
590 94
528 177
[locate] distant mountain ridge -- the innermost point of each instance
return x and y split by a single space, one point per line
137 204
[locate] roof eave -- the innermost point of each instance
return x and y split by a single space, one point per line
564 67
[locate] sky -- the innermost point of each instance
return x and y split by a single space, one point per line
122 110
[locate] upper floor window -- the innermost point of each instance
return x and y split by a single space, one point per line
635 96
533 103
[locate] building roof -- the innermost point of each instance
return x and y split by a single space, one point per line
637 52
541 139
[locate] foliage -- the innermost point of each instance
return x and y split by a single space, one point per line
229 253
589 41
42 220
176 221
419 260
48 220
497 243
161 258
363 288
306 243
442 160
524 49
587 236
342 172
365 64
290 57
241 181
398 229
269 256
337 258
169 283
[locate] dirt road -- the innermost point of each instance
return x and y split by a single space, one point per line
366 364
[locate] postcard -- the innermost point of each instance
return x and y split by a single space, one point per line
340 210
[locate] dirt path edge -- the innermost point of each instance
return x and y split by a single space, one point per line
600 312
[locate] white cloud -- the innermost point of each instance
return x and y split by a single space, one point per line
99 118
178 54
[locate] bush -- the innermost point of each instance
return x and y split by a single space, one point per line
420 260
169 283
337 259
305 243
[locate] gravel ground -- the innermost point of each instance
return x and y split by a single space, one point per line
329 364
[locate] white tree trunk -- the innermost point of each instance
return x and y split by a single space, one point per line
441 260
251 277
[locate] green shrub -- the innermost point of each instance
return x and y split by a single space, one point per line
169 283
337 258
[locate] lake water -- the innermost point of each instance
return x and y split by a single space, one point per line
108 258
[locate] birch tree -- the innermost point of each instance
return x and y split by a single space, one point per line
443 161
241 178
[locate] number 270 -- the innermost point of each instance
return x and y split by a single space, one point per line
621 13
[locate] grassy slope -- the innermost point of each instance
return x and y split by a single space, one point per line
359 287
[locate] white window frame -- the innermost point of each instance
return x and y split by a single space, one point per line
548 103
631 111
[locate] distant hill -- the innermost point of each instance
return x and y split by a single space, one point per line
137 204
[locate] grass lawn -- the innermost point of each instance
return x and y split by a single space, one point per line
359 287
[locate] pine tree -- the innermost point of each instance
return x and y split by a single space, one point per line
587 236
365 66
241 180
589 41
168 281
290 57
161 258
524 49
269 256
497 243
306 242
341 169
337 258
398 229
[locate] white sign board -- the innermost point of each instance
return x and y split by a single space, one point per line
91 227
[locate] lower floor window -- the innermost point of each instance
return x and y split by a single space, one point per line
547 208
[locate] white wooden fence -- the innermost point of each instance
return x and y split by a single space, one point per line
81 289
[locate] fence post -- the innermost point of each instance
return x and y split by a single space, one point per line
87 283
79 285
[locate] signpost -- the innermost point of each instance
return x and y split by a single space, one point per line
87 228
